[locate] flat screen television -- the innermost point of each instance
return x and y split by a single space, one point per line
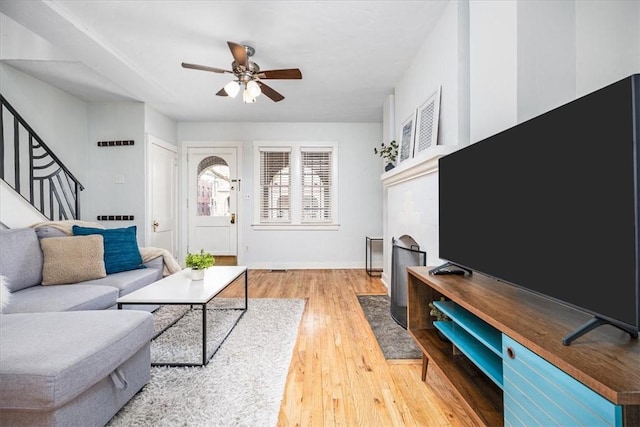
552 205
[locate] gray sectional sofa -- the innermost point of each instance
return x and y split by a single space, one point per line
67 357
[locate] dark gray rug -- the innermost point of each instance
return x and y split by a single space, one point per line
395 342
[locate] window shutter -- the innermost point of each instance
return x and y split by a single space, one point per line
317 185
275 186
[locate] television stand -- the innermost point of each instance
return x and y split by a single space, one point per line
592 324
504 359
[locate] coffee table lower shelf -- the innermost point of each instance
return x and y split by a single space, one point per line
205 358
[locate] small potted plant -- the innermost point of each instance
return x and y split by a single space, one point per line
198 262
388 152
440 317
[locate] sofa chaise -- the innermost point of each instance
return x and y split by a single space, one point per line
67 357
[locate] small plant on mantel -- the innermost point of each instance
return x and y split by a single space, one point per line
388 152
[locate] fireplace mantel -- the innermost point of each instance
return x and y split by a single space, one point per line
414 168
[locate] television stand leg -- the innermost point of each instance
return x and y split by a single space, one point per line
591 325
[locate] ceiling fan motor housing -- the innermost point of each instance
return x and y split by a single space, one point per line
244 74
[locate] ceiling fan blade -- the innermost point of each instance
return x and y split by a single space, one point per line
239 53
204 68
289 73
270 92
222 92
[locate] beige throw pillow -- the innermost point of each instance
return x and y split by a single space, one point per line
72 259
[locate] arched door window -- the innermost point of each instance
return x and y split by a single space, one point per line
214 187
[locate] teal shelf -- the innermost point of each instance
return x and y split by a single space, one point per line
484 358
478 328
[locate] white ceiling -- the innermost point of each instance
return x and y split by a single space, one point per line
351 53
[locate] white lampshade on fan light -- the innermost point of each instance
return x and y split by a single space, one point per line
251 91
254 89
232 88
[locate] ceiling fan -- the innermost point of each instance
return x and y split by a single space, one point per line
249 75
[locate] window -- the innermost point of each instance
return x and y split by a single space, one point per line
316 185
275 186
214 186
297 186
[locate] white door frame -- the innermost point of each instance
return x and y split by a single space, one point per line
184 192
148 227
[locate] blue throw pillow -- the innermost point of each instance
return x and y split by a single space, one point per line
121 251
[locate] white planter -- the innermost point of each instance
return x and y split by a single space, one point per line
197 274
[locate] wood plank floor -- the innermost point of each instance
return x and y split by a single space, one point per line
338 375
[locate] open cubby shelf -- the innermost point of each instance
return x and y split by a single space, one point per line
478 328
478 353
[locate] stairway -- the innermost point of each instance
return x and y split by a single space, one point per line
39 186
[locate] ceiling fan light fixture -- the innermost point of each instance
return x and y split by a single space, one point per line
247 98
232 88
249 74
254 89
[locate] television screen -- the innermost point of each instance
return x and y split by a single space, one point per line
551 205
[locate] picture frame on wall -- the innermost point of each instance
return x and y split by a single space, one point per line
406 139
427 117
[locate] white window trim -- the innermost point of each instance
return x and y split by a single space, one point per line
295 148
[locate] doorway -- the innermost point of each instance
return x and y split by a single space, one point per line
162 194
212 202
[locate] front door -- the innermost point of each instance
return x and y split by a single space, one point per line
163 195
212 200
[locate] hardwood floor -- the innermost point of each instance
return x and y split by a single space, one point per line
338 375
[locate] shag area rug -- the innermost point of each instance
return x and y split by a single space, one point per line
182 341
394 341
242 385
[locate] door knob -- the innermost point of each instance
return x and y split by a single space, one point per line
233 218
155 225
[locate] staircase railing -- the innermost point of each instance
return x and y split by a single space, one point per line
38 175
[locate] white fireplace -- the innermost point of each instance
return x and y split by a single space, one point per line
410 205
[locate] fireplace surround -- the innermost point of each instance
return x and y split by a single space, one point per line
410 206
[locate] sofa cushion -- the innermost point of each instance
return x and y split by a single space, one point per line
48 359
121 251
129 281
5 293
62 298
20 258
72 259
45 231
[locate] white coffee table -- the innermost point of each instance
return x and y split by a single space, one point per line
179 289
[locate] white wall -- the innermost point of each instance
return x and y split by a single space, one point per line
524 58
359 191
437 63
568 49
528 57
607 43
58 118
111 121
160 126
493 67
546 56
